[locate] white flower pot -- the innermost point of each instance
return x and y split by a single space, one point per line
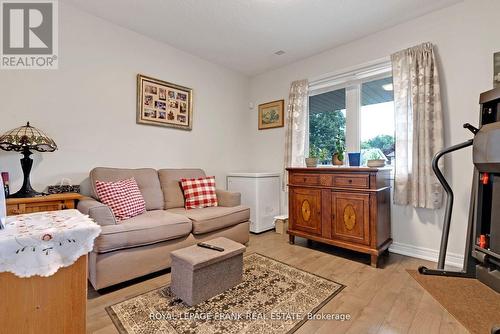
311 162
376 163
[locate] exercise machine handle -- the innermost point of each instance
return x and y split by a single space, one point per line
449 194
471 128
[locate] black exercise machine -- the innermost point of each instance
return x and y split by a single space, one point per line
469 265
482 249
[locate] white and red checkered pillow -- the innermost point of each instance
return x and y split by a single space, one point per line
123 197
199 193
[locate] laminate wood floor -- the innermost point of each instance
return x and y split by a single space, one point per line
383 300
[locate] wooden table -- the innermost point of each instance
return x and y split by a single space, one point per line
54 304
17 206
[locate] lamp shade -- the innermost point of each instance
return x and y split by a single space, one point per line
27 138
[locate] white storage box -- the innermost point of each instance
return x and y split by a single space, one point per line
261 192
281 224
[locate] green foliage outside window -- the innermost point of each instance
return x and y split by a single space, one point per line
327 132
383 142
320 153
327 136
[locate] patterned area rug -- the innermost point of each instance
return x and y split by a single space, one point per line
273 298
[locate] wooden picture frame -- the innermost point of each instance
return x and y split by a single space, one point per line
163 103
271 115
496 69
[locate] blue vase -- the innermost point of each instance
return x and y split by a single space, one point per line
354 159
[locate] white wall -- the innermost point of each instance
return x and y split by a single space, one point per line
466 35
88 106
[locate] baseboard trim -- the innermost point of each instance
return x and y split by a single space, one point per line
428 254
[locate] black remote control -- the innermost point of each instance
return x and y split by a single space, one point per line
205 245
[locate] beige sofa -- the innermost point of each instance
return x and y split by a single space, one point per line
142 244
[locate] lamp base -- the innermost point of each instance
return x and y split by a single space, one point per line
26 190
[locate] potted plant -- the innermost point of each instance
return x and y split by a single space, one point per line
323 156
375 159
339 149
314 153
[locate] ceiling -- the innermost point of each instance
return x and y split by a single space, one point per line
244 34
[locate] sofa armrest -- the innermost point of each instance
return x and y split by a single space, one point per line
98 211
228 198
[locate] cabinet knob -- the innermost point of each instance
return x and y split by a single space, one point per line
350 180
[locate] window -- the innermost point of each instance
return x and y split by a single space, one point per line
353 110
327 121
377 119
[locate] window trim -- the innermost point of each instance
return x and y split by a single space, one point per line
378 69
353 119
351 79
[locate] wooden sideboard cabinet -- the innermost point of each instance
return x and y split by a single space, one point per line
348 207
17 206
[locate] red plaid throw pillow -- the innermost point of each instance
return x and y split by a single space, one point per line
123 197
199 193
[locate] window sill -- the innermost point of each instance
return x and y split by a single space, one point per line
335 166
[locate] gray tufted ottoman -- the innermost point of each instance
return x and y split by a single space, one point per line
199 273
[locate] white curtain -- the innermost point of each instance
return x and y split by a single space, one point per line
296 127
419 126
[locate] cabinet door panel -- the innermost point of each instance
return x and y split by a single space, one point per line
306 210
350 217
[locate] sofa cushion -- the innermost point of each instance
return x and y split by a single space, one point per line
170 185
146 178
123 197
148 228
199 193
214 218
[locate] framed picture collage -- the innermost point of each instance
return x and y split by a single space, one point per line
163 104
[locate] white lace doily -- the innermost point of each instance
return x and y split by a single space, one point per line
41 243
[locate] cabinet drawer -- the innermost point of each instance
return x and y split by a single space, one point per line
352 181
13 210
307 179
44 206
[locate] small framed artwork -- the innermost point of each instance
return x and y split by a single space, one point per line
271 115
496 69
163 103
